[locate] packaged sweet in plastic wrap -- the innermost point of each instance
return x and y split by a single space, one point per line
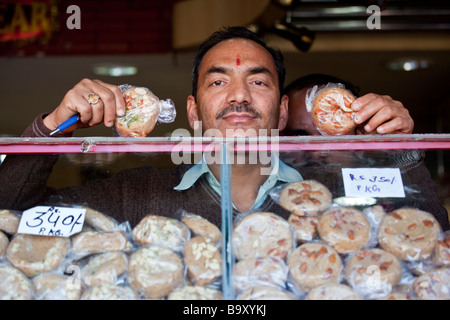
203 261
143 111
372 272
408 233
14 284
314 264
163 231
346 229
9 221
307 197
331 110
260 234
155 271
260 272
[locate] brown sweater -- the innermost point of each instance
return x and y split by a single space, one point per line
135 193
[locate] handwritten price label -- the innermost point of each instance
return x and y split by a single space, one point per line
52 221
373 182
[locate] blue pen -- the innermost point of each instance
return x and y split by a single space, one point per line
63 126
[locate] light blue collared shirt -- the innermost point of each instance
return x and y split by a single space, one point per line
280 172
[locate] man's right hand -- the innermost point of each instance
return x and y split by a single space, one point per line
110 105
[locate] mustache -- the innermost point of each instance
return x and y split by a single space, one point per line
238 108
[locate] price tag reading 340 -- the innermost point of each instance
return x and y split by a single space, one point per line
52 221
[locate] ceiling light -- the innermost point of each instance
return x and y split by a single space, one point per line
114 70
408 64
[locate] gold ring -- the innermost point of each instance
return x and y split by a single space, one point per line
92 98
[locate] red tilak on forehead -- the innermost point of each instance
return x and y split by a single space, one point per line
238 60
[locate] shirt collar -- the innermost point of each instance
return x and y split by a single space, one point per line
280 172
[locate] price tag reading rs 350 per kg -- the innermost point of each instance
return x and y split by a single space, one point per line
52 221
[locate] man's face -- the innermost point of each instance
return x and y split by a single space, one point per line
238 90
300 120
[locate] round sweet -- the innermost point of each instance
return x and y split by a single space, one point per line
332 113
203 260
34 254
305 227
409 234
99 221
90 242
52 286
109 291
14 284
195 293
155 271
201 227
163 231
264 293
333 291
261 234
261 271
314 264
433 285
308 197
442 251
142 111
4 242
9 221
346 229
373 272
104 268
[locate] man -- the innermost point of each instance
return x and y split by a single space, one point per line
237 84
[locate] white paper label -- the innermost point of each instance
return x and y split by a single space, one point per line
373 182
52 221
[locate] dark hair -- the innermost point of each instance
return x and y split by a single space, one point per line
317 79
231 33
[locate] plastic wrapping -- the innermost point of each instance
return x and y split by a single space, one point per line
260 272
201 227
104 268
346 229
155 271
4 243
34 254
265 293
307 197
189 292
333 291
409 233
260 234
109 291
163 231
55 286
9 221
272 261
373 272
203 261
314 264
433 285
14 285
330 108
91 242
144 110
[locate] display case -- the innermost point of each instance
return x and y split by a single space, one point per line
352 217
